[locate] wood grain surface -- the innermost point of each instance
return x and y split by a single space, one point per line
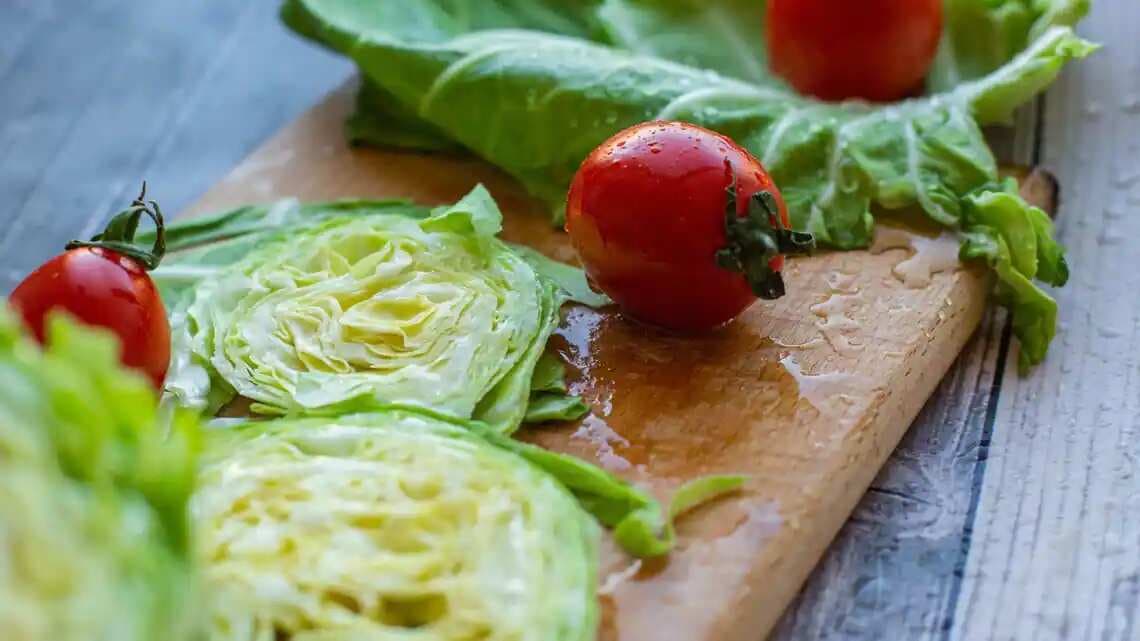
1055 548
95 96
808 395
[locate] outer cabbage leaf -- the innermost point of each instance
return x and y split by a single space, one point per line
385 525
981 35
536 104
726 36
393 305
1016 240
94 485
639 524
834 162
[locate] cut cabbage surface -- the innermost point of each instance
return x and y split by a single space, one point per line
355 306
391 525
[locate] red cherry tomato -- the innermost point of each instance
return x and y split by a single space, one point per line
105 288
657 214
878 50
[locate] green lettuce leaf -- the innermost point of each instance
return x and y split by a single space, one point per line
349 304
389 525
1016 241
545 407
94 486
535 100
549 397
726 36
982 35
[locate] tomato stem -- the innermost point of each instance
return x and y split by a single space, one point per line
119 235
756 239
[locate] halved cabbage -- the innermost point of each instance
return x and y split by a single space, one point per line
379 309
389 525
93 495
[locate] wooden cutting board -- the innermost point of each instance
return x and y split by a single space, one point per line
808 394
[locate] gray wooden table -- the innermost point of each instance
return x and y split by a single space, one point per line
1010 511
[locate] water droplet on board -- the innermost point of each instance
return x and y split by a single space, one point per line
1092 110
807 345
596 431
929 256
1112 213
840 397
842 282
836 324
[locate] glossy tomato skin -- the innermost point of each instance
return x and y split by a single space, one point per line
877 50
104 289
646 212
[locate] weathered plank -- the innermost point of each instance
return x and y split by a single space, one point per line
98 95
1055 549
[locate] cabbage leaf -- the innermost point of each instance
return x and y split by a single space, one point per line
94 486
982 35
389 525
533 88
1016 241
365 303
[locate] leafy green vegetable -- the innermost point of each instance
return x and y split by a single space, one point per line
365 303
535 98
94 484
544 407
639 525
549 398
1016 240
389 525
982 35
726 36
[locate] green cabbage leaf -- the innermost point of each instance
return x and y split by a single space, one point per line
364 304
94 487
533 86
982 35
1016 241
